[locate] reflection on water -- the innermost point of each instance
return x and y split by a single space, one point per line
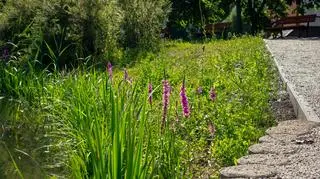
17 144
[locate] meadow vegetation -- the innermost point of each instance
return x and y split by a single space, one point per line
183 112
88 89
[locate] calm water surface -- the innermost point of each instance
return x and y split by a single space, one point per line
17 143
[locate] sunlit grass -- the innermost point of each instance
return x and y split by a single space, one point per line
96 128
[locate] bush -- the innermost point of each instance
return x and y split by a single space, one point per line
143 21
15 16
58 34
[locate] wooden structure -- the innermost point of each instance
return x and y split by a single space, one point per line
292 22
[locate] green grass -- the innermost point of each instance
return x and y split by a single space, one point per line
92 128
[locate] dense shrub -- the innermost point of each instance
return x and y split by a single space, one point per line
61 32
68 32
143 20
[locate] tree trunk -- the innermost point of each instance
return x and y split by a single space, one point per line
300 10
239 19
253 15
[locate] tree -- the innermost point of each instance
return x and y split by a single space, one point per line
239 19
195 14
257 15
303 5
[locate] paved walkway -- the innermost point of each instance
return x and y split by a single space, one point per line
291 149
299 63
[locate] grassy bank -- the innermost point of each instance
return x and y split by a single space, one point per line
89 125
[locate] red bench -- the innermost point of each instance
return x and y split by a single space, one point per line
292 22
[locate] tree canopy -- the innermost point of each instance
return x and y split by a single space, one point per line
255 13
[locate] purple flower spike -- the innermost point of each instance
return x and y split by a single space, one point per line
199 90
212 94
5 53
150 93
109 68
184 101
126 76
211 128
165 100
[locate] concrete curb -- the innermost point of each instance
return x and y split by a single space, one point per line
301 107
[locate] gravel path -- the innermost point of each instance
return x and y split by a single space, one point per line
299 60
291 149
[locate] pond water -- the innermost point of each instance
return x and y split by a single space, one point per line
16 143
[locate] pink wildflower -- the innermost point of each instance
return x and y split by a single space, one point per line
212 94
184 101
211 128
165 100
126 76
150 93
109 68
199 90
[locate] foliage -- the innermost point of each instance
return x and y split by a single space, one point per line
143 20
258 13
302 6
188 16
59 33
97 127
62 34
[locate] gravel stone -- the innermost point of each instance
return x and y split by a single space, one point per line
248 171
272 148
278 138
293 127
269 159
